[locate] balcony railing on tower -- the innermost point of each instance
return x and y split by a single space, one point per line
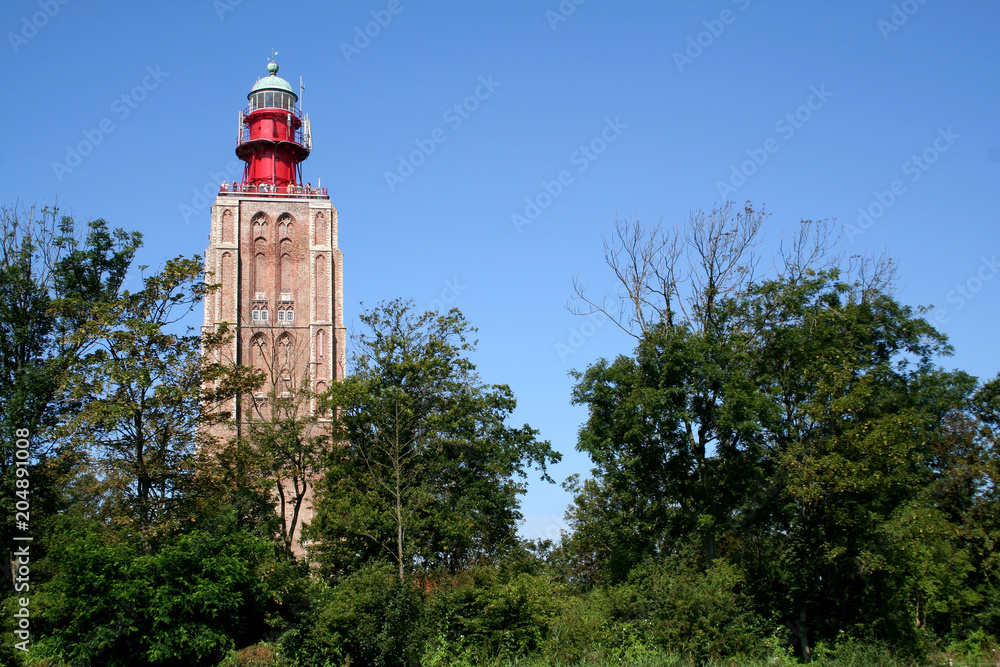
269 190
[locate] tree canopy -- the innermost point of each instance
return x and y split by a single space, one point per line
427 474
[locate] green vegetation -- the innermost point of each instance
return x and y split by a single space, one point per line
783 472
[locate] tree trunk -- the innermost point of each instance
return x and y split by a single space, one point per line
801 631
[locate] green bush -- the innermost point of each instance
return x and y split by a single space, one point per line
257 655
486 616
108 601
592 626
700 614
368 618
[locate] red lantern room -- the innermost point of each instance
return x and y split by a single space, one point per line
273 137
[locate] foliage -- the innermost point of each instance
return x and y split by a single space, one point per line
367 620
793 425
190 602
54 280
425 477
258 655
487 614
782 472
700 614
146 400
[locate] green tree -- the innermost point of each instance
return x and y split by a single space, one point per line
54 281
673 430
425 477
858 402
786 420
147 399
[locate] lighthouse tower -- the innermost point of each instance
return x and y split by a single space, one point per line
273 251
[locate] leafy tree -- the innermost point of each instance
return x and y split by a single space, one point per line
425 475
785 420
53 282
859 404
147 400
673 430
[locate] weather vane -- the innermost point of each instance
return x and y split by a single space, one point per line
273 56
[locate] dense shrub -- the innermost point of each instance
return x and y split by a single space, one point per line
109 602
487 615
368 619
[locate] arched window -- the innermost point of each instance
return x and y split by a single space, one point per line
260 273
286 274
322 289
320 390
225 292
286 345
227 226
258 352
259 225
320 228
285 226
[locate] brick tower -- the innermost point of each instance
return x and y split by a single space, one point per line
273 249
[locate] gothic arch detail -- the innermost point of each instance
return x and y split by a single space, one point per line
259 226
320 390
227 226
285 359
320 229
225 291
285 221
320 356
322 289
259 353
285 264
260 272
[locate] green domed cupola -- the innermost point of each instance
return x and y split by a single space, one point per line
272 91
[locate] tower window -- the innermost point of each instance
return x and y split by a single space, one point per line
281 316
256 315
290 316
263 315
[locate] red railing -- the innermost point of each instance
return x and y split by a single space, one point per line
296 137
295 111
266 190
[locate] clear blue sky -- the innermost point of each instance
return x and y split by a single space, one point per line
687 91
